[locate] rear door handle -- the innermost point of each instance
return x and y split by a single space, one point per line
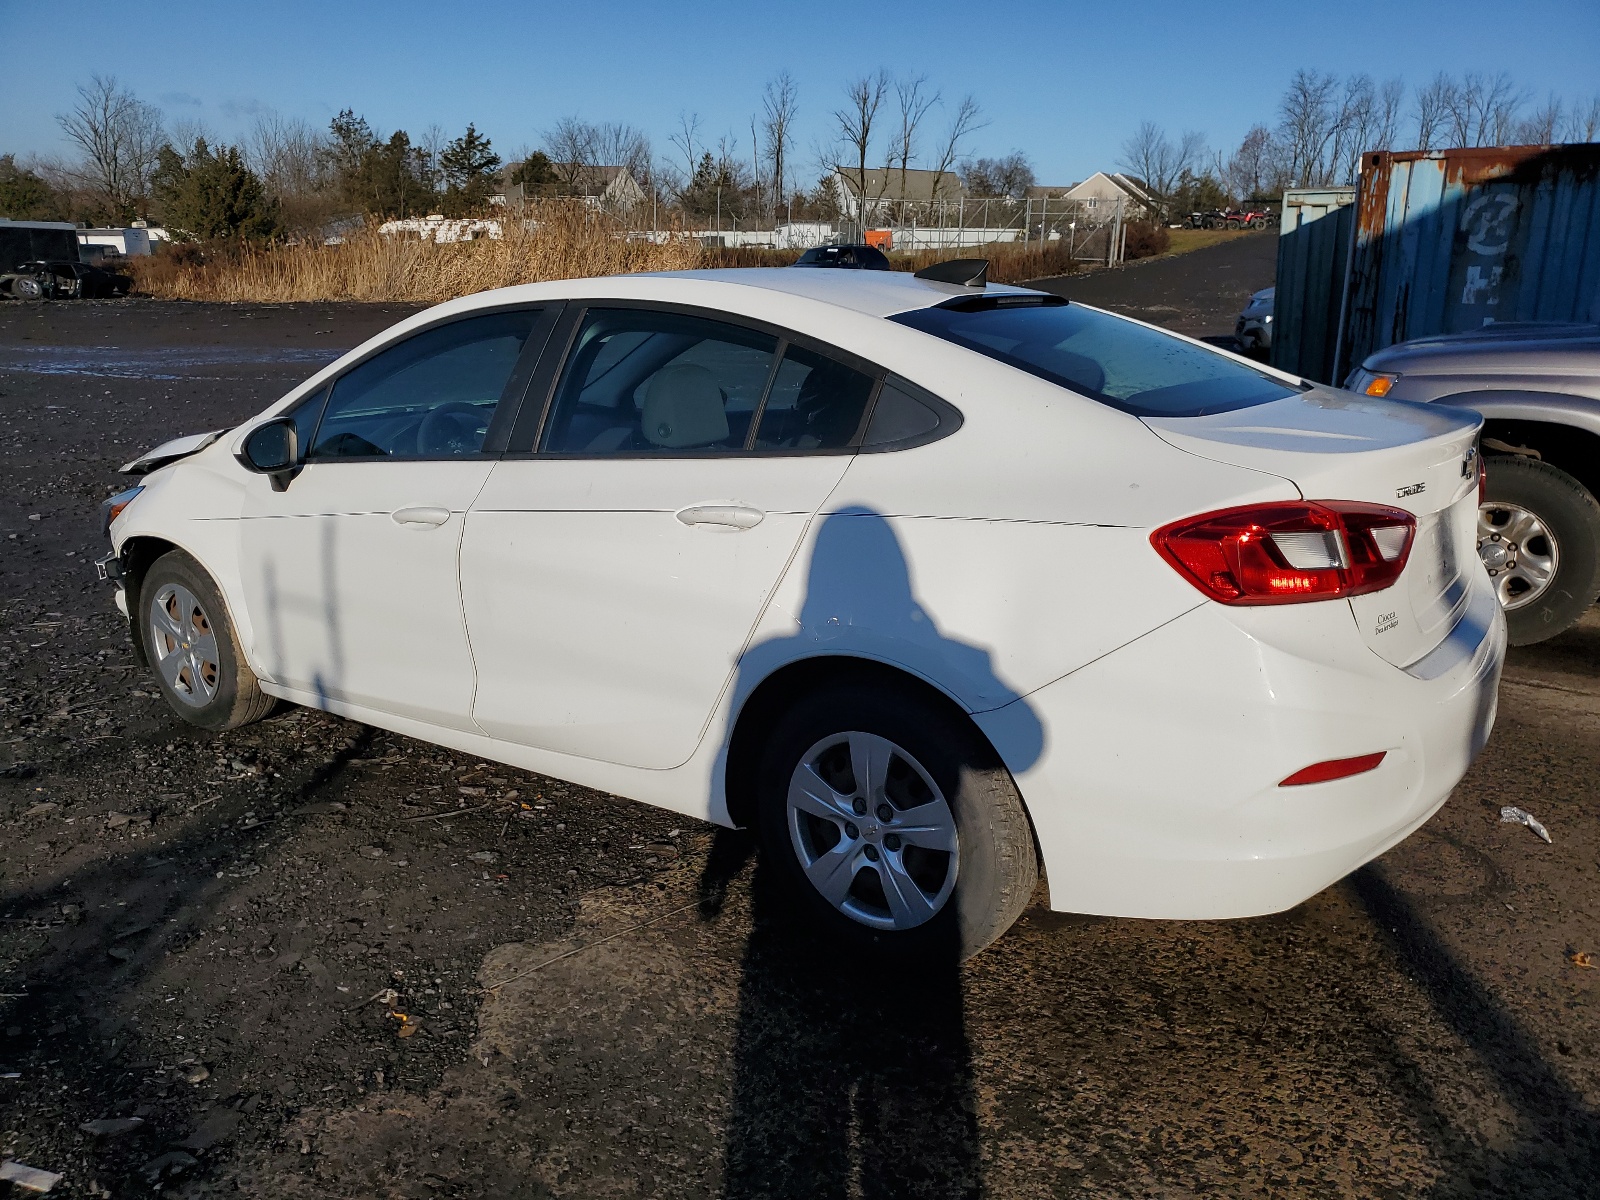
734 516
421 514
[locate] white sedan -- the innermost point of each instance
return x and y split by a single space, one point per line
936 584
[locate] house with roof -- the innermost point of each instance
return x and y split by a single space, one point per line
1103 191
874 192
603 187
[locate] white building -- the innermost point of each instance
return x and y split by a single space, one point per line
131 242
441 229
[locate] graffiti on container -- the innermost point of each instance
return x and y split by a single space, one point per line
1489 221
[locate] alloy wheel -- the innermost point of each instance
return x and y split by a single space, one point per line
1520 553
184 644
872 831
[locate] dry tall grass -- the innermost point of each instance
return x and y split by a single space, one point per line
565 243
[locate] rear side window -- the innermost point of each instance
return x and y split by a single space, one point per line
429 396
815 404
646 382
1139 370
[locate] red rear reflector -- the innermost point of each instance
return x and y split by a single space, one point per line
1289 551
1334 768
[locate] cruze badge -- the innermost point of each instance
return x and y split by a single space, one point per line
1409 490
1470 463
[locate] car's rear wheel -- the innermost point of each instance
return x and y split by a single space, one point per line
892 823
28 287
1539 539
191 644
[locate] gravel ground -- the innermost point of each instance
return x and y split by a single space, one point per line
310 958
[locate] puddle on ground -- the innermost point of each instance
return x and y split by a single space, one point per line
172 362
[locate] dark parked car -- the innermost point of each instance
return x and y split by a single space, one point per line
859 258
1538 388
61 280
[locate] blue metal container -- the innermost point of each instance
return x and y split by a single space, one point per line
1313 254
1452 240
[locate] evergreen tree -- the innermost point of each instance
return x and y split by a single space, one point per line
468 164
206 195
536 175
26 197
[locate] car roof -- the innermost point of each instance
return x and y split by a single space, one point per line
873 293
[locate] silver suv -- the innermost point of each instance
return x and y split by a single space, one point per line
1538 387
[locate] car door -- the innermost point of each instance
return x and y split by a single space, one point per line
612 575
351 572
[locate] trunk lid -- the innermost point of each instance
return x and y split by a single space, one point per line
1337 446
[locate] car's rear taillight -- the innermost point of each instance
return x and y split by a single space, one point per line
1290 551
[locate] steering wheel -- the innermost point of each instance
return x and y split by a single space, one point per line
444 432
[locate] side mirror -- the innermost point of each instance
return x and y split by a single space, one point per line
273 449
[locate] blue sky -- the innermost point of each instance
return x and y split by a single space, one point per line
1063 81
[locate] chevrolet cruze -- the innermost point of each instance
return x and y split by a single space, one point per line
938 585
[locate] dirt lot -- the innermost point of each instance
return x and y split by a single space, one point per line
197 933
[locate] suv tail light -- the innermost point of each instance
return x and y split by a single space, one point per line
1289 551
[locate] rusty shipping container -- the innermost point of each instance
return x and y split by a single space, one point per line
1451 240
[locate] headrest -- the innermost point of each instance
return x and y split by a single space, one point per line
683 407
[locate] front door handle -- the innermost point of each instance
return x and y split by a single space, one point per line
734 516
421 514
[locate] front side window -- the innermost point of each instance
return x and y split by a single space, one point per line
1126 365
645 382
430 396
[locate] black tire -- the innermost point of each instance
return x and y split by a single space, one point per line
1570 513
28 287
214 690
997 866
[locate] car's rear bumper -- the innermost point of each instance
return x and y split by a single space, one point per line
1157 793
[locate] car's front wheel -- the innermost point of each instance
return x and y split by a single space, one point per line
191 644
892 823
1539 539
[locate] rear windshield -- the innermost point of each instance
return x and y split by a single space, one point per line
1139 370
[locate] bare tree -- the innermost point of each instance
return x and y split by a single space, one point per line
1434 103
1160 163
1307 120
1482 110
914 101
1352 130
686 141
616 144
292 159
430 146
120 137
570 145
856 120
780 103
1542 125
1011 175
964 122
1583 122
1249 170
1390 108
